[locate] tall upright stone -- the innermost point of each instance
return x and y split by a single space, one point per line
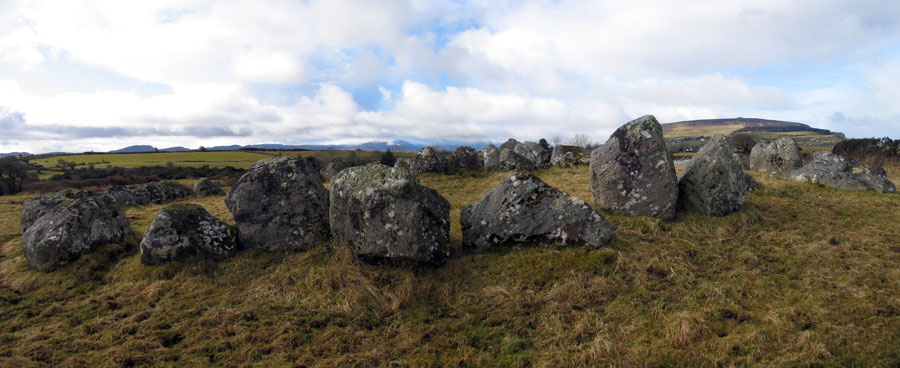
712 182
632 174
491 157
778 158
280 204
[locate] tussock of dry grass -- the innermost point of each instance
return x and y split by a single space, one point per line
803 275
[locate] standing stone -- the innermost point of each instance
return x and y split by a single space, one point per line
509 144
632 174
534 152
71 227
464 157
429 160
840 172
712 182
384 213
511 161
563 155
182 232
778 158
206 187
280 204
523 209
491 157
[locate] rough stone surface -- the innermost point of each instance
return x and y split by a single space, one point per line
511 161
534 152
429 160
632 174
840 172
463 157
523 209
156 192
491 157
563 155
712 183
384 213
183 232
778 158
330 170
742 159
123 195
509 144
35 207
69 228
280 204
206 187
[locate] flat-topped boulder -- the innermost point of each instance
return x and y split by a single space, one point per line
70 226
777 158
841 172
37 206
383 213
429 159
632 174
491 157
524 209
206 187
280 204
463 157
185 232
712 182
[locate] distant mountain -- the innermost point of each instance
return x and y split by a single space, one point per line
133 149
175 149
687 136
14 154
224 148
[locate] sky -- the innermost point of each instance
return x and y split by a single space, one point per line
81 75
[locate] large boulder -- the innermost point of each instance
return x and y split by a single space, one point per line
183 232
385 214
509 144
35 207
491 157
511 161
534 152
206 187
840 172
429 160
280 204
69 227
712 182
563 155
524 209
463 157
778 158
122 194
632 174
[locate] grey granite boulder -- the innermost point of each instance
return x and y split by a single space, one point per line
778 158
511 161
524 209
534 152
840 172
632 174
206 187
155 192
35 207
383 213
184 232
70 227
509 144
463 157
491 157
280 204
429 160
712 182
124 195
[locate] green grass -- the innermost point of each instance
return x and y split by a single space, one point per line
803 275
242 160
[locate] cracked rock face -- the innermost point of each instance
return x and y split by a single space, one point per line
69 224
523 209
632 174
512 161
429 160
534 152
206 187
491 157
280 204
778 158
384 213
712 182
184 232
840 172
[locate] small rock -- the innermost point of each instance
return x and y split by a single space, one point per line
206 187
182 232
564 155
840 172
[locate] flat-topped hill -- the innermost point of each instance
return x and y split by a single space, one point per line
691 132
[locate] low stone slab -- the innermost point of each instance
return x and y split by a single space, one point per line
841 172
185 232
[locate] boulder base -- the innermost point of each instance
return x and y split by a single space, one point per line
182 232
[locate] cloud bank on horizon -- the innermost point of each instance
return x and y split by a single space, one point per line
102 74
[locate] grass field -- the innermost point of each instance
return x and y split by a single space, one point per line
680 131
802 276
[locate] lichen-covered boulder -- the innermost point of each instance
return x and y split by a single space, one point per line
35 207
463 157
712 182
491 157
71 227
563 155
840 172
385 214
509 144
206 187
778 158
123 195
632 174
511 161
330 170
184 232
429 160
524 209
280 204
534 152
156 193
